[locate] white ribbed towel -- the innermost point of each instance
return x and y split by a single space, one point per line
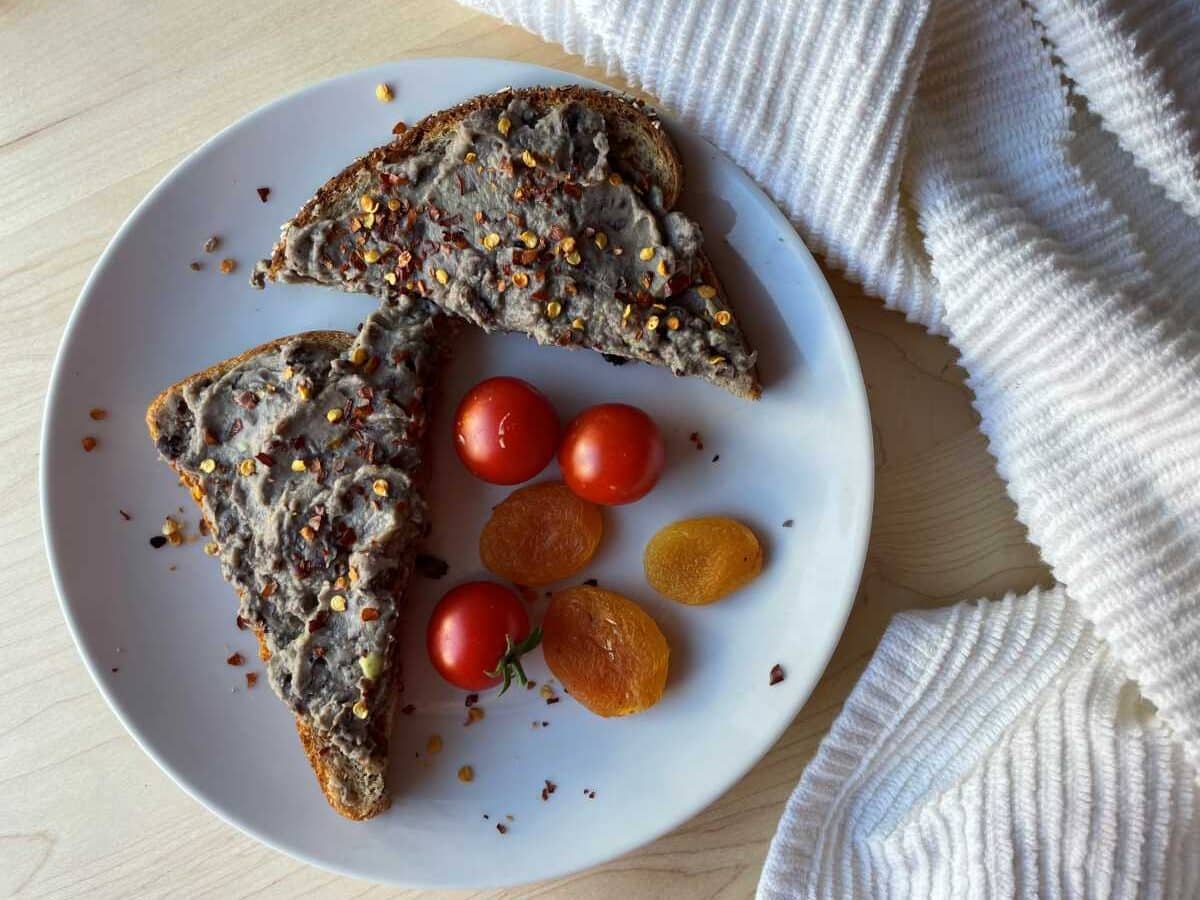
1024 177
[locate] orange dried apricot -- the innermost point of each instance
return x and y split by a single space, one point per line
606 650
699 561
541 533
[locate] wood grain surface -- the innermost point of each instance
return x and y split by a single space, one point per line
98 100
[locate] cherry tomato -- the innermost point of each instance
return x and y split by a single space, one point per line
612 454
477 634
505 430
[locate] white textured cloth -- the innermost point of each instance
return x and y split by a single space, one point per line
992 750
1022 176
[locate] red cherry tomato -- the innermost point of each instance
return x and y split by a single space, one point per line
612 454
505 430
477 634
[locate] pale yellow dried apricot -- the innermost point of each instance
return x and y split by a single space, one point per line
699 561
606 650
541 533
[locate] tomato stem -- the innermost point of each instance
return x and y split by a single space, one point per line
510 662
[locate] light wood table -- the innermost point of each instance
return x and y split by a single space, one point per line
98 100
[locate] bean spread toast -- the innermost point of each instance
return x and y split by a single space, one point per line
305 456
544 211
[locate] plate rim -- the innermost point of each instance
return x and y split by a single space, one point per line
858 543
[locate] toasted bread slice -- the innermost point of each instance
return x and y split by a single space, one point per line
305 456
544 211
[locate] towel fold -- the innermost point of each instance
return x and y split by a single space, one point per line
992 750
1022 176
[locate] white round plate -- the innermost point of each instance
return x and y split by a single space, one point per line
155 626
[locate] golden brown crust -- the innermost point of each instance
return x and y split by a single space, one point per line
629 120
325 760
328 763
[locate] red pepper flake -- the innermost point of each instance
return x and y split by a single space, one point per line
549 789
88 444
124 515
429 566
344 535
265 458
317 622
502 828
247 400
251 679
263 193
400 128
210 438
678 283
550 701
530 684
267 589
242 623
195 265
776 674
471 700
98 415
369 614
236 659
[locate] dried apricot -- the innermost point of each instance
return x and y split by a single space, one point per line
606 650
541 533
699 561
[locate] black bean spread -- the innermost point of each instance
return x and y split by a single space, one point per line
305 460
520 222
